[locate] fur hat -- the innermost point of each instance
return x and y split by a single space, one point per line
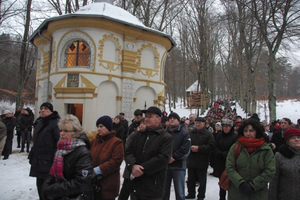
48 105
6 112
227 122
105 121
290 132
255 116
174 114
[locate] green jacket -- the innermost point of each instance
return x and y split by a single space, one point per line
257 169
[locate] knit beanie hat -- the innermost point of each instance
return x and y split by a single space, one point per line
174 114
48 105
105 121
290 132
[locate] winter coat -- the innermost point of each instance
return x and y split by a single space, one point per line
77 171
285 185
118 128
181 147
152 149
45 138
277 139
257 168
108 153
133 126
25 122
205 142
10 123
222 145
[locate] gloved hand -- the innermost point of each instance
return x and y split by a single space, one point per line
246 188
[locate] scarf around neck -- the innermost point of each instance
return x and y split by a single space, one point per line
63 148
251 144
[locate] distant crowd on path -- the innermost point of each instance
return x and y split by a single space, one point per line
158 148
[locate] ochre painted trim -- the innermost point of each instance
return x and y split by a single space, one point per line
105 24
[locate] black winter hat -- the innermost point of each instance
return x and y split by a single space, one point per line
200 119
105 121
174 114
48 105
154 110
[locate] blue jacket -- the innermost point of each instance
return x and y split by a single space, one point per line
181 147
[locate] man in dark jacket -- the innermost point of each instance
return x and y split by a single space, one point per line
277 138
25 126
202 143
138 115
10 122
147 157
177 164
45 138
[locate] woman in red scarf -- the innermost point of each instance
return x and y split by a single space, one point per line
71 172
254 166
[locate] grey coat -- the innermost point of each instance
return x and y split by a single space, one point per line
286 184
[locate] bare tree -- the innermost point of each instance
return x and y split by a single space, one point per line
277 20
24 47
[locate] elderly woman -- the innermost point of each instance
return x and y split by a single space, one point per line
107 155
254 166
286 183
71 173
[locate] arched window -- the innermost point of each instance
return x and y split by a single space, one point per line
78 54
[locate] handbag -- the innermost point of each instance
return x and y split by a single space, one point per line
224 181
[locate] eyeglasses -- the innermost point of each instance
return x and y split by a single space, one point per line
66 131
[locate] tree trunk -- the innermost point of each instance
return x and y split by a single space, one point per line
272 97
21 78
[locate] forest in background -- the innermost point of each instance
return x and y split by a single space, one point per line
236 49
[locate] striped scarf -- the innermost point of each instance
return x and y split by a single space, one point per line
63 148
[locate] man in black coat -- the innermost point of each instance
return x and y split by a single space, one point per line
147 157
277 138
45 138
10 122
202 143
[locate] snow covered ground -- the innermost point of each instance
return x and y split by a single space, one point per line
16 184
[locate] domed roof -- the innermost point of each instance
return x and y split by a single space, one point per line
110 11
106 11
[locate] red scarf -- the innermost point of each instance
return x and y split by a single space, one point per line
251 144
63 148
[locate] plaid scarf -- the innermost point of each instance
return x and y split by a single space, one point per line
63 148
252 144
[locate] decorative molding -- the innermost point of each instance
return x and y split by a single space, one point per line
71 35
111 66
119 98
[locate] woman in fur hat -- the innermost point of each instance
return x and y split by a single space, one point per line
286 183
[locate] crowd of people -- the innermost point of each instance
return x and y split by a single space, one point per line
261 160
